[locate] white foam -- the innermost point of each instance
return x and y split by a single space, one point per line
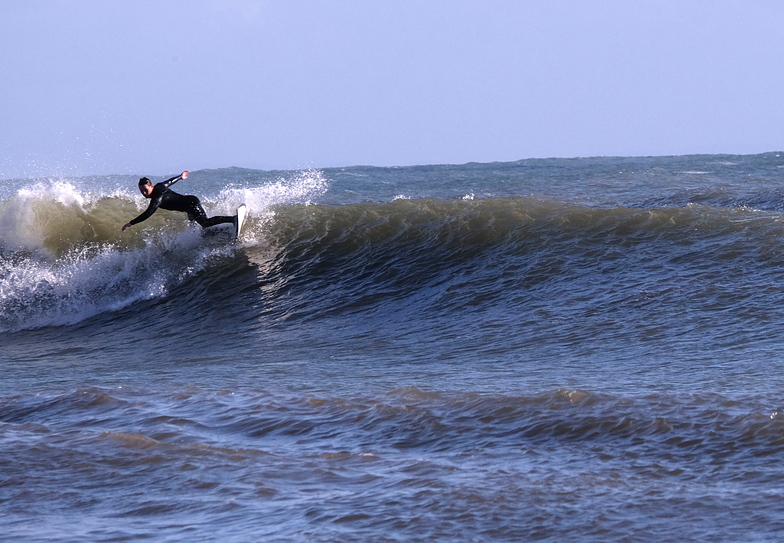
58 191
301 187
36 292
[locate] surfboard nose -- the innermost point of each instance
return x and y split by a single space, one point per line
239 220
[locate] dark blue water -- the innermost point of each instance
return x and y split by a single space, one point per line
540 350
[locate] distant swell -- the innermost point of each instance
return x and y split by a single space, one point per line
697 428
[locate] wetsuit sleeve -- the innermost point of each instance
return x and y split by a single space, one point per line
172 180
155 202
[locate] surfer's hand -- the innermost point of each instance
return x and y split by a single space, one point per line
184 174
126 225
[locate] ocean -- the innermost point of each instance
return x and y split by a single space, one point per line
585 349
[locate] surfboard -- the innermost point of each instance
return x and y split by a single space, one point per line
242 213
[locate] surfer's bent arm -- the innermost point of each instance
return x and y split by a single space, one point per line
169 182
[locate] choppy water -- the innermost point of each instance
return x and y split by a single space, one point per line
583 349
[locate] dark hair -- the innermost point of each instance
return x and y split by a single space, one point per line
144 181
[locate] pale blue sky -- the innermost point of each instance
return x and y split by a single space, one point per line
156 86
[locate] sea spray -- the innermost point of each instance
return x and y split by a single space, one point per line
63 258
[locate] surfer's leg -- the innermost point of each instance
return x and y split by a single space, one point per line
196 213
218 219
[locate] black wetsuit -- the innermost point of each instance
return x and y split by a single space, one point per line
165 198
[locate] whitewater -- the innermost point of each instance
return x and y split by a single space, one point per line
583 348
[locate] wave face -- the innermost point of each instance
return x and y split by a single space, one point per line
511 351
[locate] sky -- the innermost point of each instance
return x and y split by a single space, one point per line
151 87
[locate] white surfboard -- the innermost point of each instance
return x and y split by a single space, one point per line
242 213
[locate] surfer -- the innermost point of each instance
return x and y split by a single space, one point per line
161 196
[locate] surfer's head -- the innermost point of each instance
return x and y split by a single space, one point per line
145 187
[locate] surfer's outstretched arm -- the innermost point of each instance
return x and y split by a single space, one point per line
152 208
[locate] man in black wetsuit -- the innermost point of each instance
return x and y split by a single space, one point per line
161 196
